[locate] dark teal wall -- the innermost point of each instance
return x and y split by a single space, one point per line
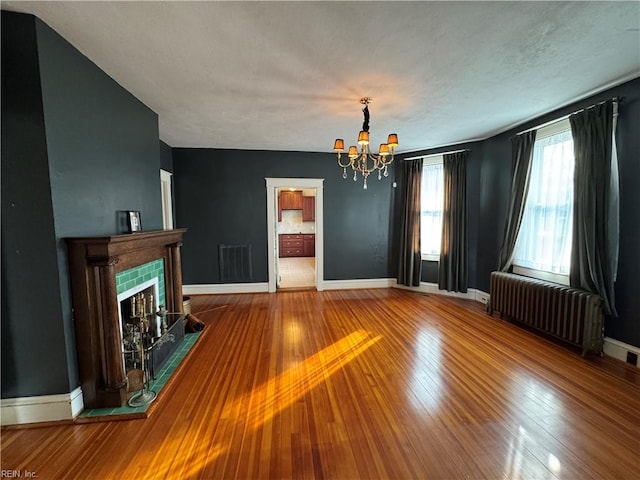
495 181
33 334
166 157
99 154
221 198
102 141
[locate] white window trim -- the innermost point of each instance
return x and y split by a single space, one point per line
541 275
553 128
546 131
432 160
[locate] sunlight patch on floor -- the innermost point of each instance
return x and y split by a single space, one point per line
288 387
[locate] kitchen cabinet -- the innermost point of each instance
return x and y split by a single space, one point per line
290 245
289 200
308 209
309 245
297 245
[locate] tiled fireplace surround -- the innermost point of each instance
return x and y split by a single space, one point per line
136 276
101 268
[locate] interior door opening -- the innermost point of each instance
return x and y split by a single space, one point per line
295 233
296 230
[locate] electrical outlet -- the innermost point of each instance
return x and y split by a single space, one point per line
632 358
484 299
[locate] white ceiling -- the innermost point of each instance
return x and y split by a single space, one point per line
289 75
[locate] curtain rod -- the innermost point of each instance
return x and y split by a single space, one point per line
559 119
437 154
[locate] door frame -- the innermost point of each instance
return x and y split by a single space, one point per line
166 191
272 185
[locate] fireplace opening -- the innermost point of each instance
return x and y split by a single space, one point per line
149 334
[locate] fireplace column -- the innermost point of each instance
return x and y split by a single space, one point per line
176 271
114 380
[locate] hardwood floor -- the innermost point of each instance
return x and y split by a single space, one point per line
360 384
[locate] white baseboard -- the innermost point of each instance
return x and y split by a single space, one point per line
617 349
217 288
220 288
471 294
356 284
43 408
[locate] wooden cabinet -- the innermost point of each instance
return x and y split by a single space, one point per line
309 246
289 200
308 209
290 245
297 245
293 200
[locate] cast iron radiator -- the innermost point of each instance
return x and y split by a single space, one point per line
567 313
234 262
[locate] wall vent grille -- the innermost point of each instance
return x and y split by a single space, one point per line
234 262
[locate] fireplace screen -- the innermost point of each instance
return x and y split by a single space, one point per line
149 336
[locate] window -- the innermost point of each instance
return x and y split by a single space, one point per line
431 207
543 246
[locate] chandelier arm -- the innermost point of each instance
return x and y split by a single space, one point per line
346 164
378 161
364 160
384 162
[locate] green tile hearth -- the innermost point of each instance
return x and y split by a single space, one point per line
162 377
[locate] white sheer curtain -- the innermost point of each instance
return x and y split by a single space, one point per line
431 208
614 200
544 240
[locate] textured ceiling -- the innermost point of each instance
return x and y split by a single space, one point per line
288 75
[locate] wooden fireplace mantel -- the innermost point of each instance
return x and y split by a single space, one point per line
93 264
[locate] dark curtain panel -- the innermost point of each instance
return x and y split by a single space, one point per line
453 268
590 249
410 259
521 156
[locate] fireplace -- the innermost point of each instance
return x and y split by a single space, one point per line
106 271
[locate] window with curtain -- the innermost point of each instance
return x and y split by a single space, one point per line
431 207
543 245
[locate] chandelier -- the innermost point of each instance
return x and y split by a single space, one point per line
364 161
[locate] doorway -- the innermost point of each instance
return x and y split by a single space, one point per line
167 199
296 229
297 264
